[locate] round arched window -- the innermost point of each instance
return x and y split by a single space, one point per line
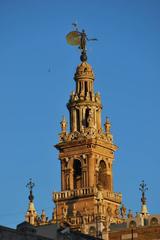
92 231
77 175
102 175
154 221
132 224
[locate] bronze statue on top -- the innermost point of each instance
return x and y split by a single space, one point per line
79 38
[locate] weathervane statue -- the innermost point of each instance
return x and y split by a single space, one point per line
79 38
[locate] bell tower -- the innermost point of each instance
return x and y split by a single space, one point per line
87 201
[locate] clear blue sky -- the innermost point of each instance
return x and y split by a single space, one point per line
126 61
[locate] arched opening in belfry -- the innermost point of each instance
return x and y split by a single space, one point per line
78 120
77 175
154 221
86 117
132 224
102 175
92 231
86 88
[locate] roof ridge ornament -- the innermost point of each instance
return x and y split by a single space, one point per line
79 38
143 188
30 185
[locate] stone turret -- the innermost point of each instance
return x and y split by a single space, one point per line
83 101
143 189
31 216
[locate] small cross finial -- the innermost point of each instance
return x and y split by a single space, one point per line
30 185
143 188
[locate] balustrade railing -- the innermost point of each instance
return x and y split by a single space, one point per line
90 191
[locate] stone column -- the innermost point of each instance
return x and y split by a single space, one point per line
91 171
84 180
83 87
94 111
71 119
109 183
100 125
74 123
77 87
83 116
92 90
80 117
109 176
111 180
62 177
71 179
97 118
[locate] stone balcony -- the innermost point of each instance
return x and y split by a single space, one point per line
86 192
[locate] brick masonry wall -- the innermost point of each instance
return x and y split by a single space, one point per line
140 233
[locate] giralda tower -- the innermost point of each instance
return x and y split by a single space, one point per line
87 201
